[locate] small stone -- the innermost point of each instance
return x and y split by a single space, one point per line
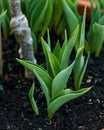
8 127
30 123
40 129
98 100
88 81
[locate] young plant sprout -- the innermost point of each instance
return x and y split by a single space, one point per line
95 33
53 80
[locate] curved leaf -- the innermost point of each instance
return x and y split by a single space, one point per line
40 71
32 100
43 87
66 96
40 13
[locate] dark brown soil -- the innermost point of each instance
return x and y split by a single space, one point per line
84 113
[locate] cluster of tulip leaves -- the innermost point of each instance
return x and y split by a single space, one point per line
95 34
54 79
58 15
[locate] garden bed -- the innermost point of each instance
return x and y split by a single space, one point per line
84 113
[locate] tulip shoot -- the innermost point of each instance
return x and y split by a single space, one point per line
53 81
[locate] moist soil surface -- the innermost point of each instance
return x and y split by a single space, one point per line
83 113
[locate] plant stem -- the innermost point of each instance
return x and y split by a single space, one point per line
21 30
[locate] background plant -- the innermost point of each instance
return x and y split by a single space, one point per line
54 79
95 33
102 5
4 5
58 21
2 15
80 63
38 13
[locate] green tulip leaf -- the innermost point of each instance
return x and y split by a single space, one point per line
68 49
98 31
71 16
57 50
82 34
80 68
46 48
101 20
2 15
32 100
57 13
79 64
54 63
59 82
63 46
41 72
65 96
38 15
33 5
43 87
47 18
